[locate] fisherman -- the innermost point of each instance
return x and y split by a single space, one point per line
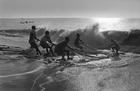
60 48
32 40
113 55
47 43
78 41
114 46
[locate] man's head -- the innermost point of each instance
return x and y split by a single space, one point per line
112 40
47 33
33 27
67 39
78 35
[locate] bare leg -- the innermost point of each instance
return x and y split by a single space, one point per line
47 51
51 51
68 54
34 45
117 53
37 50
113 50
63 56
80 47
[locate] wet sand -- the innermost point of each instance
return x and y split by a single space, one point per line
16 71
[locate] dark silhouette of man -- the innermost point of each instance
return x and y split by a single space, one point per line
60 48
47 43
114 46
32 40
78 41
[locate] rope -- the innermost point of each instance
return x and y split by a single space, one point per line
78 53
86 45
32 88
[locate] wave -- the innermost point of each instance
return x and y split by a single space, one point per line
91 35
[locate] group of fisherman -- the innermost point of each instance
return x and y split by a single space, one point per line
60 48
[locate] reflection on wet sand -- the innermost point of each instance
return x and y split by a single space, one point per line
17 72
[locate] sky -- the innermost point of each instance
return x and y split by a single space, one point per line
69 8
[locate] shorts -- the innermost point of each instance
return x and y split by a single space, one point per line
59 52
33 45
116 48
44 45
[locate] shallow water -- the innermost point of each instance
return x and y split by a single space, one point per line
73 78
18 73
85 78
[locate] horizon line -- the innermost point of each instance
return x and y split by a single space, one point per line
66 17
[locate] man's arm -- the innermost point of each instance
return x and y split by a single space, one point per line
70 47
50 41
81 41
36 37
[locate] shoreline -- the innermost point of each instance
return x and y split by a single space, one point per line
53 74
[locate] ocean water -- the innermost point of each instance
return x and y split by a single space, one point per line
70 23
49 23
18 73
65 27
